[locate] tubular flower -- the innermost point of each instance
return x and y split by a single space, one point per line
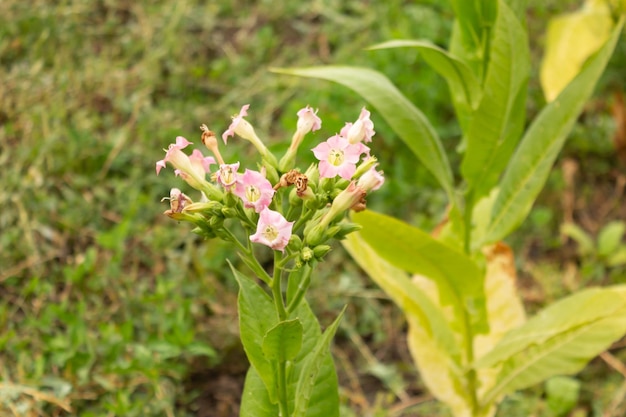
360 131
273 230
254 189
308 121
372 180
227 175
237 124
181 143
190 168
337 156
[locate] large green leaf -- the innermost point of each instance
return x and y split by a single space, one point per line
559 340
470 33
255 401
459 279
529 168
403 117
324 396
283 341
256 317
498 123
311 368
464 87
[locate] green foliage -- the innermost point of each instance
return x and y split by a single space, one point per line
501 181
531 163
300 343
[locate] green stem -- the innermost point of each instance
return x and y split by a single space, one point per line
281 312
467 220
249 258
303 285
304 217
283 403
277 292
472 382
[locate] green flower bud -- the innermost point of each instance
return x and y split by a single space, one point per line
295 243
307 254
345 228
229 212
320 251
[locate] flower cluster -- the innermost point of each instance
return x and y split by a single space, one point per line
278 205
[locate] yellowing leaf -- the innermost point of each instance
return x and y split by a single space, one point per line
505 310
571 39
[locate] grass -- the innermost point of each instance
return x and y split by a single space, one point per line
108 307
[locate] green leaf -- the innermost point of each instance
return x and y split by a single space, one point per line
255 401
283 341
570 40
470 32
529 168
324 399
585 243
562 394
458 278
256 317
610 238
560 340
498 123
464 87
311 368
403 117
618 257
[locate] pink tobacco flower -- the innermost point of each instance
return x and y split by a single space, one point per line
190 168
227 175
372 180
337 156
308 121
181 143
273 230
201 163
254 189
360 131
235 124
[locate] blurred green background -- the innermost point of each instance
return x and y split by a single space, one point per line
108 308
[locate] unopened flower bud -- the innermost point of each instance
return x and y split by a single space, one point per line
216 222
316 235
345 228
210 141
307 254
229 212
295 242
211 207
320 251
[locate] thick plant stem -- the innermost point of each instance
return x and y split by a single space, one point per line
283 402
281 312
277 292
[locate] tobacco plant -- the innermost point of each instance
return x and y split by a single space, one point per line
468 331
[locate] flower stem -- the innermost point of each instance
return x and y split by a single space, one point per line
303 285
277 292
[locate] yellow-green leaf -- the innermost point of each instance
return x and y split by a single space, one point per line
571 39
